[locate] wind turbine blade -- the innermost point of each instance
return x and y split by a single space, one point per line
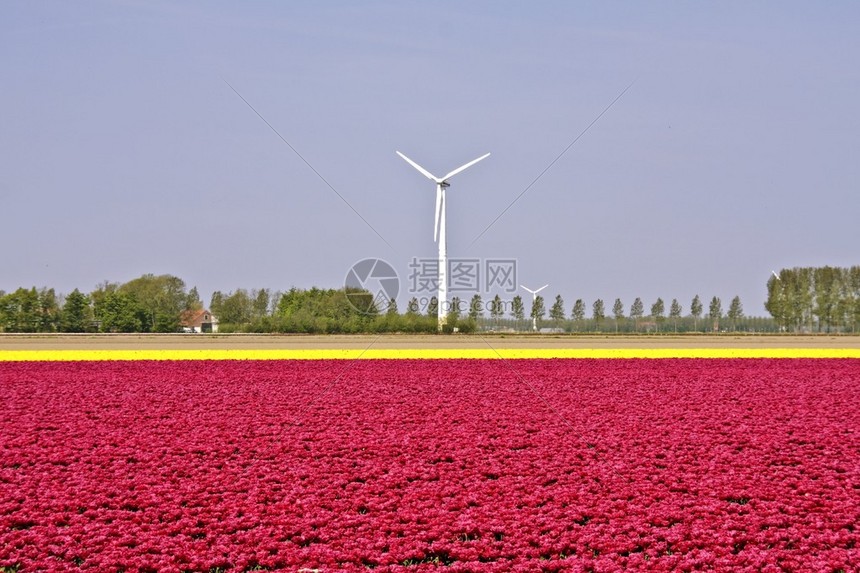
459 169
438 212
528 289
423 171
541 288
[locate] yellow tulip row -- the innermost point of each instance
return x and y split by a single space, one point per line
420 353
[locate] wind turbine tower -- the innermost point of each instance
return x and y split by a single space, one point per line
439 231
534 298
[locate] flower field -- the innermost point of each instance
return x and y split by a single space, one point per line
419 465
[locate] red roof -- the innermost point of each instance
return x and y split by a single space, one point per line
191 318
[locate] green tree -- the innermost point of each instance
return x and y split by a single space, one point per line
497 308
216 303
736 311
598 313
20 311
538 310
236 308
328 311
392 308
675 313
476 307
854 297
696 311
518 310
637 310
161 297
49 310
618 312
825 287
578 312
658 310
456 309
556 312
120 312
433 307
193 301
260 304
715 312
413 308
77 314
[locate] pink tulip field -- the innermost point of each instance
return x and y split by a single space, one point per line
430 465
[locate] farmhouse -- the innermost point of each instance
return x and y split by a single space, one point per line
198 321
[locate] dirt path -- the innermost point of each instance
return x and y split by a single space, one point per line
265 342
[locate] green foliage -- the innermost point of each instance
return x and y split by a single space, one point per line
193 301
392 308
715 312
598 313
234 308
455 311
433 307
578 312
658 309
696 311
822 298
637 310
49 311
518 309
497 308
412 307
320 311
538 308
736 311
259 304
617 312
675 313
715 309
162 299
20 311
120 312
77 314
476 307
618 309
556 312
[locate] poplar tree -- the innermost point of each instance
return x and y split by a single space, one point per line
657 311
696 311
675 313
637 309
556 313
618 312
598 313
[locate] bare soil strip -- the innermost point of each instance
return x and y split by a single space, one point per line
152 342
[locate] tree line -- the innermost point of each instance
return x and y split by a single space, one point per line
146 304
597 317
815 299
799 299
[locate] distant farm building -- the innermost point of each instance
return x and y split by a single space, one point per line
198 321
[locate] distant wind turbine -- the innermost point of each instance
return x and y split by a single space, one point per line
534 298
439 231
776 276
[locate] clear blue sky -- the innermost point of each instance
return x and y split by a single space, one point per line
733 153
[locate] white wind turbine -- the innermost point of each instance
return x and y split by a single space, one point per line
439 231
534 298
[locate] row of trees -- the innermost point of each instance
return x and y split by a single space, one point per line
799 299
508 313
807 299
149 303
